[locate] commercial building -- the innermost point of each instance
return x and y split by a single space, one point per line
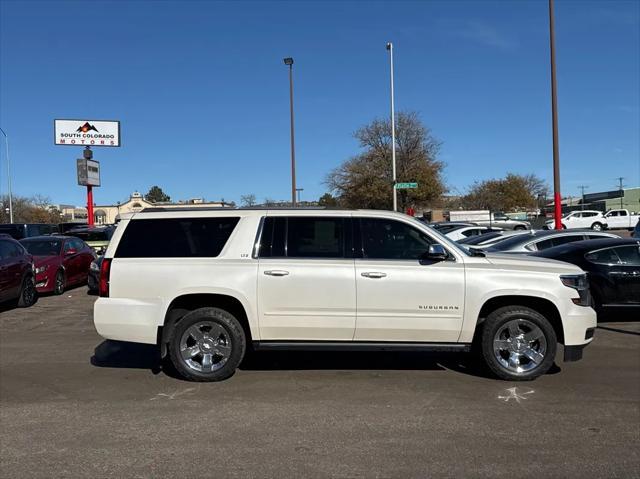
109 214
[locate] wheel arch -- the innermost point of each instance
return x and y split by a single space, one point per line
187 302
544 306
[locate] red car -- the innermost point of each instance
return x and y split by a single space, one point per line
16 273
60 261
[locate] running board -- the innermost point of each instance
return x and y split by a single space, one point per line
358 346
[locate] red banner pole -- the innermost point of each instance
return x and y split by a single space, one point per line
90 205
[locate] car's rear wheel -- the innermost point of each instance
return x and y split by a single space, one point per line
28 293
207 344
596 226
518 343
58 286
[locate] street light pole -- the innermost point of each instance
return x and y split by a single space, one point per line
582 188
557 198
6 142
289 61
393 129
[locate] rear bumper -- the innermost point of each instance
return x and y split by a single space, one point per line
128 319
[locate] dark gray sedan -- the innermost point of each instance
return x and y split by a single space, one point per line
541 240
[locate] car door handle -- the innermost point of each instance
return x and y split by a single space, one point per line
276 272
373 274
619 273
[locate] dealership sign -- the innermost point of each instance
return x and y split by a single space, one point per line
88 172
87 132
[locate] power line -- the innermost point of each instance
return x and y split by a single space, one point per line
582 188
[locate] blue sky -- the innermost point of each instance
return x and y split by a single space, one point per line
202 93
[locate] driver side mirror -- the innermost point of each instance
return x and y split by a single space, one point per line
436 252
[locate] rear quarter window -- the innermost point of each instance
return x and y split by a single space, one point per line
176 237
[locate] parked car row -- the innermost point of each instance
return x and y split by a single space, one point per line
597 221
43 264
611 262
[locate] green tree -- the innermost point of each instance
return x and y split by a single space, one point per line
511 193
37 209
156 195
327 200
366 180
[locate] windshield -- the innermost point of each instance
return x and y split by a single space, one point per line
443 239
480 238
43 247
510 242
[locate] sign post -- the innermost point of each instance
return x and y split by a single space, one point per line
87 133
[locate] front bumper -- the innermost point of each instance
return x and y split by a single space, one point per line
44 283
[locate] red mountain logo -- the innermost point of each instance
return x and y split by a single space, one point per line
87 127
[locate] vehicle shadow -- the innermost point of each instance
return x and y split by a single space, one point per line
120 354
13 304
464 363
619 315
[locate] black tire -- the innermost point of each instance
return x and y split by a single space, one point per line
58 287
525 317
519 228
597 226
232 330
28 294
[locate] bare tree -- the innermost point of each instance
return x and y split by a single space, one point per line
366 180
248 200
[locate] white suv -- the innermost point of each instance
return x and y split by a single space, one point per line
592 219
206 285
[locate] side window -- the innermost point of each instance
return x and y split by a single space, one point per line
629 255
468 233
622 213
273 237
10 250
589 215
603 256
77 244
540 245
176 237
320 237
67 246
558 240
389 239
4 249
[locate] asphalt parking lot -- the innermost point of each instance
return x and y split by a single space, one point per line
75 406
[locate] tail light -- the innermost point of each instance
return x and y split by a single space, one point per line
105 272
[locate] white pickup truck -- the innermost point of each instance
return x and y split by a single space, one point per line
621 219
222 281
592 219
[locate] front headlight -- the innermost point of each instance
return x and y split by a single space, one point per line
42 269
580 283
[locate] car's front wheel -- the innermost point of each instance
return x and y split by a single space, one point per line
58 286
518 343
596 226
207 344
28 293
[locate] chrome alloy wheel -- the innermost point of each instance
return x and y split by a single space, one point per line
519 346
205 347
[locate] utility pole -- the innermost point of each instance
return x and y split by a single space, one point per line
289 61
582 188
621 188
557 198
393 130
6 142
